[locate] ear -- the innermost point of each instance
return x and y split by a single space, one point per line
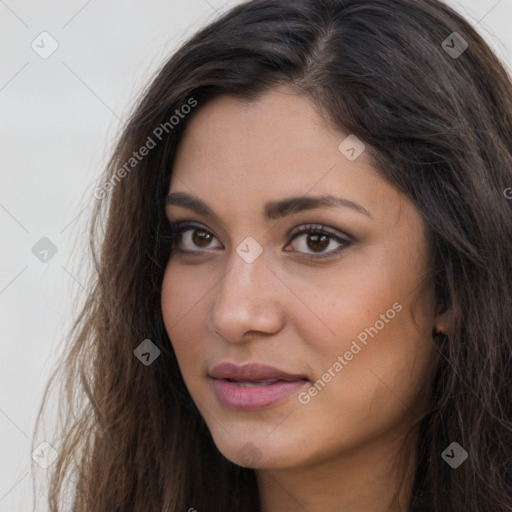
442 320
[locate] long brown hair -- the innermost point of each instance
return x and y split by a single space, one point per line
433 104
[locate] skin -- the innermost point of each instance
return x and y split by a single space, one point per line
339 451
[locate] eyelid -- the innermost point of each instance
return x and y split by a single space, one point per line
307 228
344 240
178 227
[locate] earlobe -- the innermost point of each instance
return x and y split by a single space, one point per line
441 320
437 330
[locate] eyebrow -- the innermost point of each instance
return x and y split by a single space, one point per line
273 209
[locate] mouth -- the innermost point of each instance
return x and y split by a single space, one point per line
252 383
253 386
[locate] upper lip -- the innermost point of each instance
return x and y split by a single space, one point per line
251 372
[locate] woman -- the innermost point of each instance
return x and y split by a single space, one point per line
303 298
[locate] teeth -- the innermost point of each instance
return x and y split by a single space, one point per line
253 383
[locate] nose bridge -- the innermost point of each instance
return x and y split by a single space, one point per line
245 299
244 281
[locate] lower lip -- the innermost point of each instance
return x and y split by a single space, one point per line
254 397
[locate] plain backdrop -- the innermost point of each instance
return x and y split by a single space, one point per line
59 118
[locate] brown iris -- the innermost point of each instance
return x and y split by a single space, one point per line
317 242
201 238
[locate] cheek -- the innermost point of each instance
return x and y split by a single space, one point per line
372 351
185 309
375 373
383 386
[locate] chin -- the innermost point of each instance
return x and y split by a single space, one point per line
258 451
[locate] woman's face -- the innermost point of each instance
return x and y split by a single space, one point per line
295 346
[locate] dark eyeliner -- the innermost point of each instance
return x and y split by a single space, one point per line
321 230
175 230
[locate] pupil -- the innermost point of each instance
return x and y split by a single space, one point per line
201 239
317 242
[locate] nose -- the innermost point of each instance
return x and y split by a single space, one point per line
246 301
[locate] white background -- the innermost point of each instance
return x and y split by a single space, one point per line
59 118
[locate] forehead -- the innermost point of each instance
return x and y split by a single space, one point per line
242 153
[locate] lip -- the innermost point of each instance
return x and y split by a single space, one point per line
251 372
234 396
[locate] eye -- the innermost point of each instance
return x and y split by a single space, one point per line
313 241
190 237
317 241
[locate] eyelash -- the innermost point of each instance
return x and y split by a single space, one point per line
176 230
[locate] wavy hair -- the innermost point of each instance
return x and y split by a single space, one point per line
438 127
